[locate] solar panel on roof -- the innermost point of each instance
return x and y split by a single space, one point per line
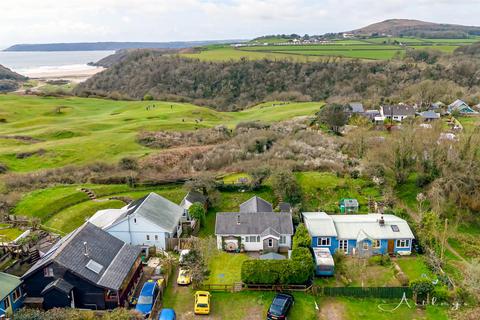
395 228
94 266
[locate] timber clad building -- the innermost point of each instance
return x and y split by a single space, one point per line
88 268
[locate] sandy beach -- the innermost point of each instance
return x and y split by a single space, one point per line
74 74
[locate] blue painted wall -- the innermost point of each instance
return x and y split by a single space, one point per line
383 249
15 305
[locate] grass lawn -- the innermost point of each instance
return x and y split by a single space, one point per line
10 234
408 192
225 268
469 123
236 306
71 218
322 191
235 177
367 309
414 267
83 130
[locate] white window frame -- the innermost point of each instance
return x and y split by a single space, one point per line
342 247
375 242
156 237
402 243
328 242
148 237
17 294
7 303
282 240
365 245
48 272
270 243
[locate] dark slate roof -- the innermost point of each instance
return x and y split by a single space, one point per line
256 204
194 196
356 107
398 110
60 285
102 248
285 207
253 222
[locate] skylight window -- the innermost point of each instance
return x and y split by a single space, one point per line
94 266
395 228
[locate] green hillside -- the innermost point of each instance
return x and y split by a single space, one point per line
38 133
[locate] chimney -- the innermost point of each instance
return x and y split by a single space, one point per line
381 222
85 247
238 219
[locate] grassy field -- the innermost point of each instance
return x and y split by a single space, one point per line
322 191
64 208
414 267
370 49
60 131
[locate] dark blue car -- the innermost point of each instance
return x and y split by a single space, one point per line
167 314
147 298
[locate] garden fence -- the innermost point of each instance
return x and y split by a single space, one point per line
365 292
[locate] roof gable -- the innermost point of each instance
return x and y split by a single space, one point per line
159 211
255 223
256 204
89 243
8 283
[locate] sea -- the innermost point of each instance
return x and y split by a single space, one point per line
32 64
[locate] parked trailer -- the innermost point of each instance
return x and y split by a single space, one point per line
325 266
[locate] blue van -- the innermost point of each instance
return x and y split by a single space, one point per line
147 297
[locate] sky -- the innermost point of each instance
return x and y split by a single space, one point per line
45 21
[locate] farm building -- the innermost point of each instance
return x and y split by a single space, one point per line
359 234
461 107
11 294
88 268
146 222
255 228
348 205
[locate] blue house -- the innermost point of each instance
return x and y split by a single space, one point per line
359 234
11 294
461 107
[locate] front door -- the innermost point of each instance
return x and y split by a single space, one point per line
343 246
391 246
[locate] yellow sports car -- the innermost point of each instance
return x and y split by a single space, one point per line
202 302
184 277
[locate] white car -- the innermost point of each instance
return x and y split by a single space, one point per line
183 253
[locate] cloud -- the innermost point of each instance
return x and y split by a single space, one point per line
34 21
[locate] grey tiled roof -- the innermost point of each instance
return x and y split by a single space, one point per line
256 204
430 114
285 207
115 274
158 210
59 284
103 248
398 110
356 107
194 196
253 222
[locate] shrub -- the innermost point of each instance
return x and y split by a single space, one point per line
422 288
128 164
197 212
301 237
442 294
286 186
148 97
381 260
277 271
